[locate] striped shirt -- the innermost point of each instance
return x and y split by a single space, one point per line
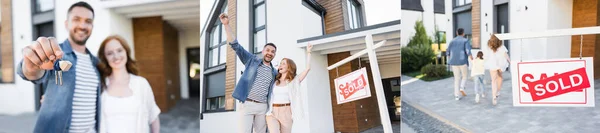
83 119
260 87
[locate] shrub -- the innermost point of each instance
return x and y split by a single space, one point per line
415 57
420 37
434 71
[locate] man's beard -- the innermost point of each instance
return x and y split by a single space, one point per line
79 42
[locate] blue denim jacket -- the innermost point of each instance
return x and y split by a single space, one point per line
251 62
55 114
459 51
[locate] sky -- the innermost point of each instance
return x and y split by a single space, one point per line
376 11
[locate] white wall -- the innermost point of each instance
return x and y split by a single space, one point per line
561 17
428 16
187 39
312 24
408 25
450 20
375 8
390 70
486 7
18 97
441 21
541 15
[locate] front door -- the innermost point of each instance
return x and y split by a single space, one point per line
193 63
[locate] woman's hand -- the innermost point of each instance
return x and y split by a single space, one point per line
309 48
305 72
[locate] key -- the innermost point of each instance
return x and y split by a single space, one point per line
59 67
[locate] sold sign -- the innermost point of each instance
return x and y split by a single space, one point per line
564 83
352 86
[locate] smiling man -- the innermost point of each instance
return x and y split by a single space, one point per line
71 102
255 85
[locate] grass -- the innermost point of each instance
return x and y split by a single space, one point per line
424 77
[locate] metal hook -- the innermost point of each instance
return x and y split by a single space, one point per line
580 46
359 66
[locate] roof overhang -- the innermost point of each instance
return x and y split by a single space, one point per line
353 41
182 14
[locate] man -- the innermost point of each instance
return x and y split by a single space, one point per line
256 82
458 51
71 101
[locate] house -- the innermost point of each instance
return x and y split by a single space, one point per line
163 35
431 12
336 28
505 16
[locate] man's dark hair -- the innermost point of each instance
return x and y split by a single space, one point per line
270 44
82 4
460 31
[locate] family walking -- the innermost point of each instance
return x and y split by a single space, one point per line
494 58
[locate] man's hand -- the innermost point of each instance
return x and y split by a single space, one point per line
40 55
224 18
42 99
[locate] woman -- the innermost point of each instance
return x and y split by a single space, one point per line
285 103
497 60
128 104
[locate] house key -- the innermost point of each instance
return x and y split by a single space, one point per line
59 67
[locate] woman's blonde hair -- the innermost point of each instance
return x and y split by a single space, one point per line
494 43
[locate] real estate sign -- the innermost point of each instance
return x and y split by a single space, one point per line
352 86
556 82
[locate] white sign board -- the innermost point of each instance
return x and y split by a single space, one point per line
352 86
553 83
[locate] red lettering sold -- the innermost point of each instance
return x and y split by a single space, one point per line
558 84
349 88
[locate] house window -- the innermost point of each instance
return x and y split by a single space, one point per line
44 5
215 58
217 48
354 14
458 3
258 26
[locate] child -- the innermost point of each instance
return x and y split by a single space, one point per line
477 73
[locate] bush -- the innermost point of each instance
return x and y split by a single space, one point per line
434 71
415 57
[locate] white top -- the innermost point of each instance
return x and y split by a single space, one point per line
138 117
477 67
122 112
281 94
83 118
496 60
295 97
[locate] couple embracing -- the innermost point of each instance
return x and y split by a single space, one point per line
270 96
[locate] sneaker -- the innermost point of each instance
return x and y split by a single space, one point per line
462 91
456 98
477 98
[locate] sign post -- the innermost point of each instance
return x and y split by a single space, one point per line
383 111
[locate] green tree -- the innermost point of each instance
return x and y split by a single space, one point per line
420 37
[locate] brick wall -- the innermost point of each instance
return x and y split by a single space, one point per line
344 115
171 56
334 19
476 23
6 44
156 54
230 71
585 14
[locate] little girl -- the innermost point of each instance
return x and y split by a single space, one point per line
477 73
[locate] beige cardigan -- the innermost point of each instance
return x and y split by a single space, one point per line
295 100
147 113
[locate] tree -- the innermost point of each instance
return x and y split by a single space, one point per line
420 37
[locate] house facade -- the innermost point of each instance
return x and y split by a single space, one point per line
336 28
506 16
431 12
163 35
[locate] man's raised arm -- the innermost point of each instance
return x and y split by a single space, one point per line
242 53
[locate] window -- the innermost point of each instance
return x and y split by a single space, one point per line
44 5
217 48
258 26
458 3
354 14
215 58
